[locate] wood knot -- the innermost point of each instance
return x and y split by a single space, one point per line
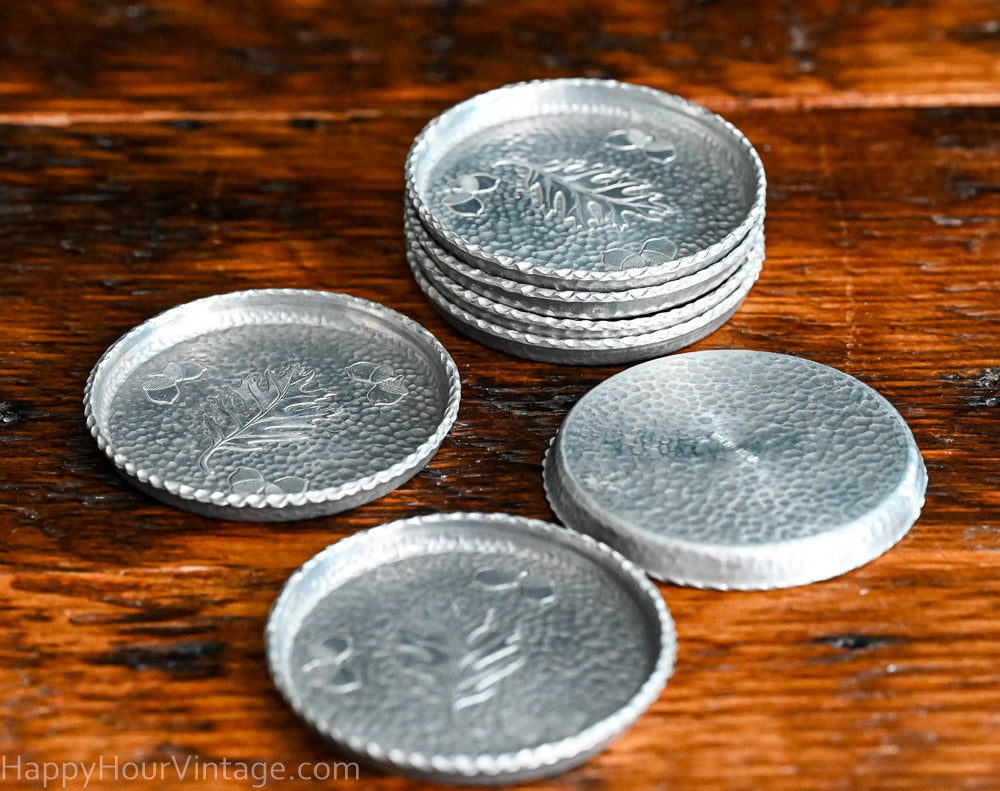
11 415
854 642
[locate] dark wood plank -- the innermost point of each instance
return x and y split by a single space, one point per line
177 58
130 629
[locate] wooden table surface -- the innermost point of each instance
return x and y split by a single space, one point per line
156 151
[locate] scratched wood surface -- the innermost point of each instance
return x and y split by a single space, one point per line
155 152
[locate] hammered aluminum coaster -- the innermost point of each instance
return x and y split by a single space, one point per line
566 303
470 648
272 404
527 321
585 184
581 351
737 469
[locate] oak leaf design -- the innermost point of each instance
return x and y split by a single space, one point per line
589 194
274 408
464 669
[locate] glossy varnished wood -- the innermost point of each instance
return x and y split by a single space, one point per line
160 152
64 58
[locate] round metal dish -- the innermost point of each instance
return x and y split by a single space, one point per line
272 404
582 351
737 469
470 648
585 184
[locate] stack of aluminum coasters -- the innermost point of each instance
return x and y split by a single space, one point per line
584 221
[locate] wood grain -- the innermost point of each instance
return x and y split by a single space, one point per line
131 629
62 59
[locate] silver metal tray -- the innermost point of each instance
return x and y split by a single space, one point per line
470 648
737 469
272 404
580 183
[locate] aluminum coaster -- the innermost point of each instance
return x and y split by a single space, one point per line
737 469
272 404
581 183
472 648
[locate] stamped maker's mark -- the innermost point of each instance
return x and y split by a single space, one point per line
677 445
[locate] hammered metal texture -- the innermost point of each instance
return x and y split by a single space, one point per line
478 648
581 351
737 469
273 404
585 184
